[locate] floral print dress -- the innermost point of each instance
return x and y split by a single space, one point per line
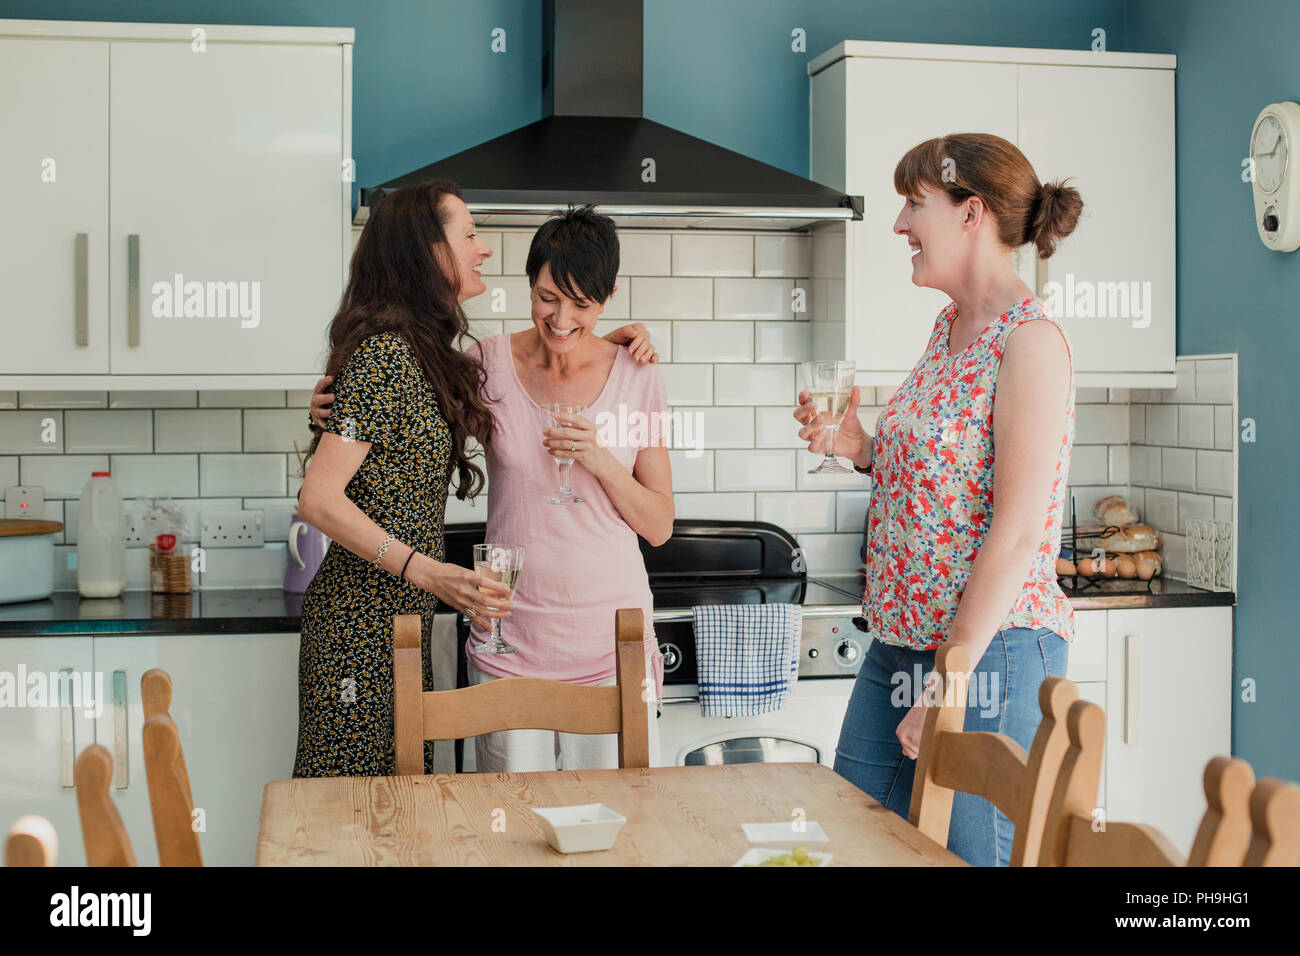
932 496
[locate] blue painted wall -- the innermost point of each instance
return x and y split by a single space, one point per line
1234 295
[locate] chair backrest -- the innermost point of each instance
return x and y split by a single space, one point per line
1275 814
156 697
1075 835
101 825
169 798
32 842
517 703
1224 834
989 765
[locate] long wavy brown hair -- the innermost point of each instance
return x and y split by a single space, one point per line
397 283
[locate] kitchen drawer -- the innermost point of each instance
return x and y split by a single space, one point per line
1088 650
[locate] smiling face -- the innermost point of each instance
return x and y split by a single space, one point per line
562 322
938 232
467 250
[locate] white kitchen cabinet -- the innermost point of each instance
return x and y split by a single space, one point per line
39 744
1168 711
235 703
54 247
1104 119
212 177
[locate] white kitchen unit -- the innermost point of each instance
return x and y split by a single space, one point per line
1104 120
235 703
41 736
198 232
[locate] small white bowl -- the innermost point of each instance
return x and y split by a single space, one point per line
784 835
758 854
580 829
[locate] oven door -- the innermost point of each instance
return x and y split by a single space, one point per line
805 730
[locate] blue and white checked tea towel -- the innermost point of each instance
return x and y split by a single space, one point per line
747 656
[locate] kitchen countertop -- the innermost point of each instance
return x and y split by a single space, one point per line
271 610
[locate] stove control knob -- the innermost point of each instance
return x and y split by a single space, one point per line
848 652
813 652
672 656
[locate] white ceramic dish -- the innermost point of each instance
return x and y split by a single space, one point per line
784 835
580 829
758 854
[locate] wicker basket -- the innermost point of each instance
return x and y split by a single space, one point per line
169 573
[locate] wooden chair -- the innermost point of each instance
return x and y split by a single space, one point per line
32 842
170 798
989 765
1224 834
517 703
1275 814
101 825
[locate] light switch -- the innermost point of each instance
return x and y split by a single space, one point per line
25 501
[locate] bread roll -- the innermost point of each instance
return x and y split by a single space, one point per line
1113 510
1130 540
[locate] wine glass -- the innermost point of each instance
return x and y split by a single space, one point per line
829 385
558 416
500 563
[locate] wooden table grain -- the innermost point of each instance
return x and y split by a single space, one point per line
676 816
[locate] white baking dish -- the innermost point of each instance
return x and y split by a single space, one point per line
26 559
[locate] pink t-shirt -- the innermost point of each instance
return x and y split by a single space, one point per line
582 562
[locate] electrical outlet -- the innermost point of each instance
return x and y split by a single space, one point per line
25 501
136 533
231 529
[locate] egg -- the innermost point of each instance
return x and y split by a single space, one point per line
1125 566
1064 567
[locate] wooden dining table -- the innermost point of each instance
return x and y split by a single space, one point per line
676 816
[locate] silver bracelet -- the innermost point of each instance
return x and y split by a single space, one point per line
383 549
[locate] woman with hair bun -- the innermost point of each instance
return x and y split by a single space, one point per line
964 521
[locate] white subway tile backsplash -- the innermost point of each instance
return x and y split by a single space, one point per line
65 567
8 470
152 476
783 342
756 299
277 515
1224 433
713 255
1119 396
203 429
63 476
1173 553
1185 391
1161 510
851 510
153 399
492 267
32 432
1214 472
8 401
1162 425
671 298
54 512
1196 426
103 431
1223 509
831 553
807 461
688 384
718 506
798 511
645 254
780 256
295 473
1119 464
62 399
619 306
465 512
754 470
776 428
1197 507
243 567
754 385
299 398
1147 458
1214 381
713 342
247 476
1090 396
1178 467
691 472
721 427
1100 425
828 252
507 297
1088 465
1137 423
274 430
514 252
245 398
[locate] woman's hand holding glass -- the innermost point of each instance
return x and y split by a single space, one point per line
850 437
577 441
462 589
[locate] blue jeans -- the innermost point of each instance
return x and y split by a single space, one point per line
1002 698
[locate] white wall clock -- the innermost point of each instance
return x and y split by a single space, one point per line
1276 180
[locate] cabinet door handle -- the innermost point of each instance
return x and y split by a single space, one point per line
67 724
133 290
1132 678
119 730
83 289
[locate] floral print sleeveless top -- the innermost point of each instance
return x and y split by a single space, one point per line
932 494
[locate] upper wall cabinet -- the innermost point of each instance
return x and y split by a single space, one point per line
181 203
1104 120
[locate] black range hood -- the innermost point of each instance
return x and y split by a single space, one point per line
594 146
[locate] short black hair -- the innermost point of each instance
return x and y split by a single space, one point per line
581 247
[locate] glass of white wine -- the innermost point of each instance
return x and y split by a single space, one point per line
829 384
500 563
558 416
